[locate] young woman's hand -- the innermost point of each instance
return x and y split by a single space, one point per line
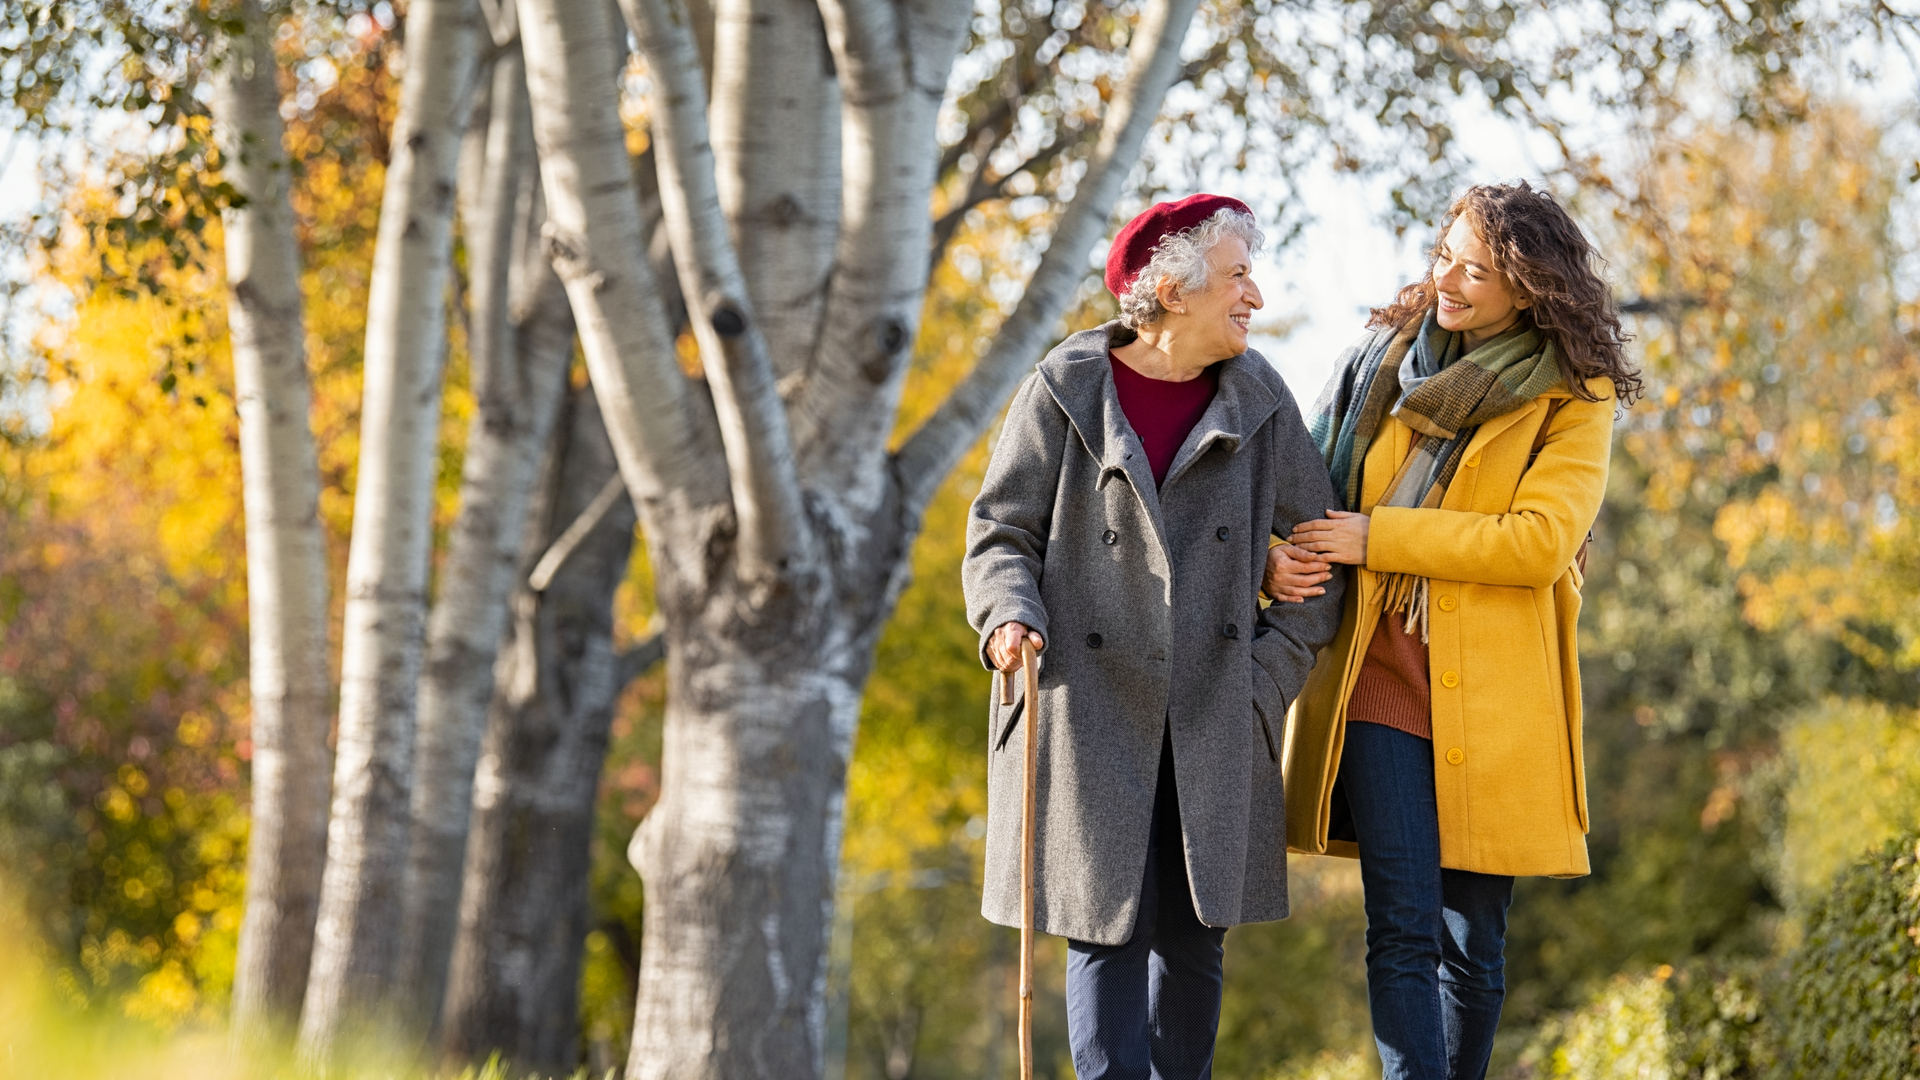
1003 648
1340 537
1293 575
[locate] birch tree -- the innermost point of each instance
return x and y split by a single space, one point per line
515 982
520 346
356 940
286 551
776 517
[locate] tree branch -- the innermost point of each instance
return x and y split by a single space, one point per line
664 439
893 63
1154 63
989 124
773 526
1020 75
575 534
776 150
983 190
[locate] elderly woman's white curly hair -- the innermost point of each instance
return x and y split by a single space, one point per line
1182 258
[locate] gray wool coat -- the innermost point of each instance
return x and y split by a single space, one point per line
1147 600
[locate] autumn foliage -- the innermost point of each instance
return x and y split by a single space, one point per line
1751 631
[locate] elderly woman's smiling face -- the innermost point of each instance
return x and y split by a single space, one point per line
1213 321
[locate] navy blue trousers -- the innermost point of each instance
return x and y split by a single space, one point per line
1150 1009
1435 937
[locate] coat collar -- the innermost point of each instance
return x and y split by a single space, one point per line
1080 378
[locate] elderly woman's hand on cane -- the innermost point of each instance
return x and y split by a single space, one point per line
1003 648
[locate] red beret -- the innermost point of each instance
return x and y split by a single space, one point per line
1133 247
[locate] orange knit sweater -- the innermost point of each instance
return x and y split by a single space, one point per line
1392 686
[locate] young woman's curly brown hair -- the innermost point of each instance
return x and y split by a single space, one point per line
1536 244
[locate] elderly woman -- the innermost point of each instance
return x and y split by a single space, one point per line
1122 526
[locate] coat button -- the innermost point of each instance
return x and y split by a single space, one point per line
1220 533
1447 603
1449 679
1473 462
1093 641
1231 631
1109 537
1456 755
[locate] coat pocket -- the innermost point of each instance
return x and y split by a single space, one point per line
1013 718
1266 729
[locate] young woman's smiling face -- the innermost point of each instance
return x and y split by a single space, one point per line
1474 298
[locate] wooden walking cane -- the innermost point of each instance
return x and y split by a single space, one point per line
1030 667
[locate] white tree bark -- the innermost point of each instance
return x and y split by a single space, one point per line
893 62
356 940
286 549
776 146
773 532
521 346
663 429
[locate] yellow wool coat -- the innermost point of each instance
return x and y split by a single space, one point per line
1503 662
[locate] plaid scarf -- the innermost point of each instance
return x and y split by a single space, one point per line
1413 374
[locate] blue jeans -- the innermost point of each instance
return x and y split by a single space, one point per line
1435 970
1150 1009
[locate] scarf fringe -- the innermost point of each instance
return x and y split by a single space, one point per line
1406 596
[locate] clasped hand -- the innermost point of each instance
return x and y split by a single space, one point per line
1296 569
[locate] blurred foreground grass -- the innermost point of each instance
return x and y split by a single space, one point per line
44 1036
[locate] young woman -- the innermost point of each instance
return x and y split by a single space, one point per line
1438 737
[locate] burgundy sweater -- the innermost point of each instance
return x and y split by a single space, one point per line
1162 413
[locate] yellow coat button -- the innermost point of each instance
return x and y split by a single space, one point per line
1447 603
1473 462
1450 679
1455 756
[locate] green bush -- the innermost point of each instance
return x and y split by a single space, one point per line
1852 1001
1845 1005
1717 1021
1329 1065
1706 1021
1621 1034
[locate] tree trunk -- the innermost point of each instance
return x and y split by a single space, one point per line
893 62
521 348
286 550
739 855
356 940
515 981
